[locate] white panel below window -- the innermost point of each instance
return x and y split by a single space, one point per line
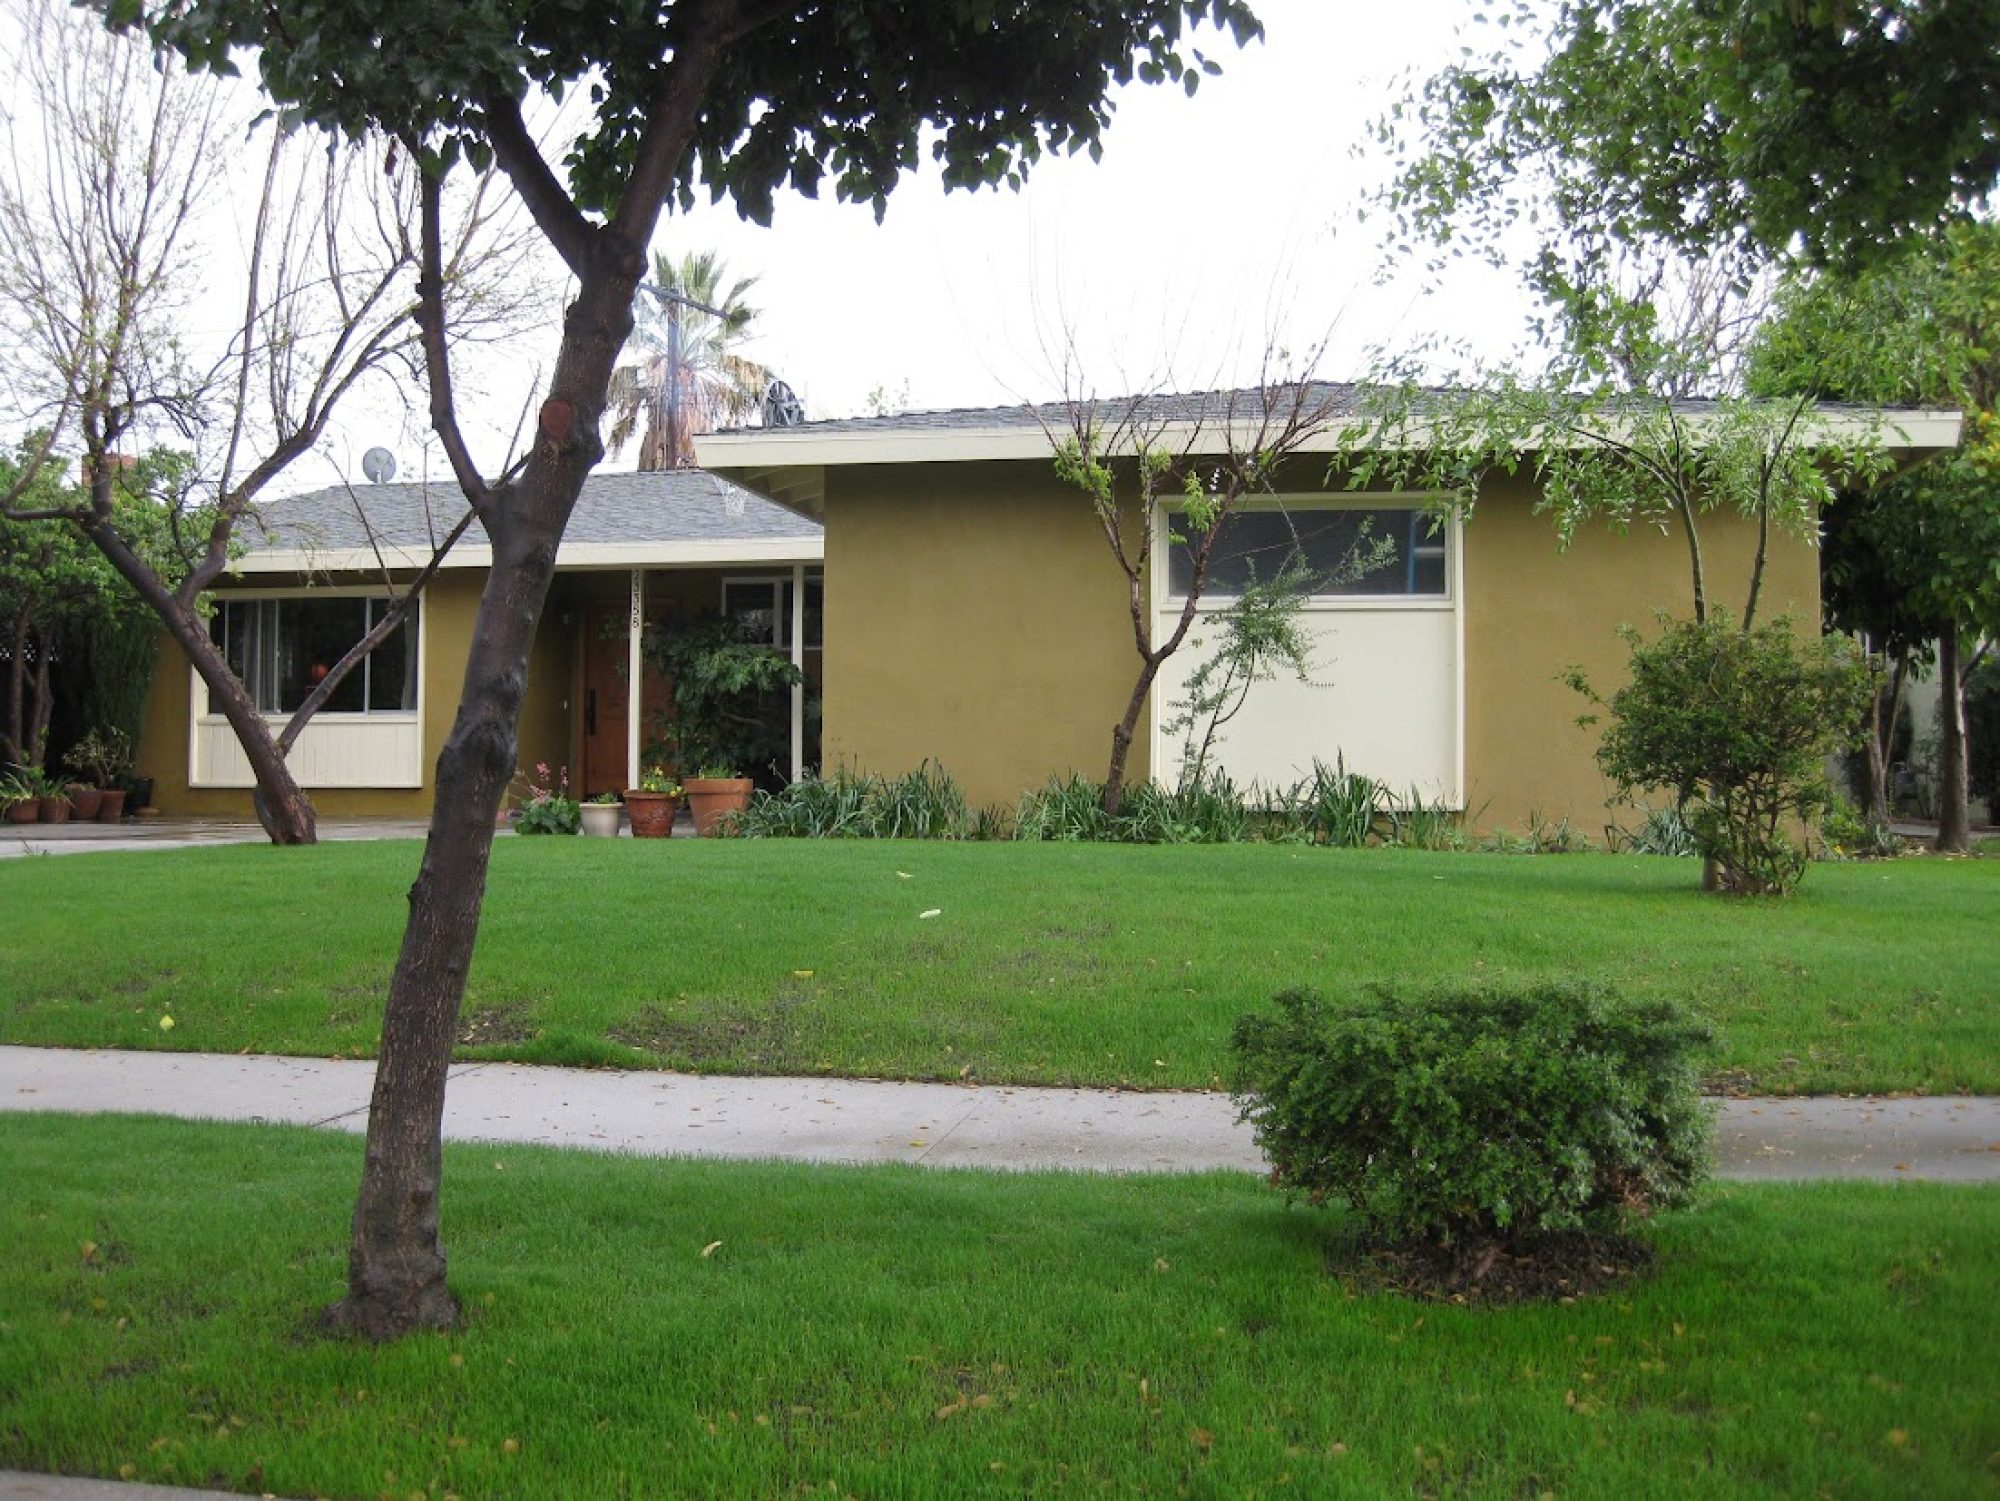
381 750
1390 706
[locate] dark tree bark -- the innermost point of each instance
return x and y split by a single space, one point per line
1954 834
282 806
396 1258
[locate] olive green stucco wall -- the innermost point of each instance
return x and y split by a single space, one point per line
1532 609
974 616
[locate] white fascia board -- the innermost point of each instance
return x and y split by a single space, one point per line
779 448
719 553
1923 431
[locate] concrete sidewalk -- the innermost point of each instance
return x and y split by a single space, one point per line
73 838
938 1125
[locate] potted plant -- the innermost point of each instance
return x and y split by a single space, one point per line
601 813
730 706
716 793
653 804
17 801
103 758
51 805
548 807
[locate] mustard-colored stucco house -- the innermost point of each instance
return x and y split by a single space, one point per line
972 615
639 546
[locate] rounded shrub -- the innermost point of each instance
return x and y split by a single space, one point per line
1477 1115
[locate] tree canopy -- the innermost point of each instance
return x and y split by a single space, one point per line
1834 126
848 89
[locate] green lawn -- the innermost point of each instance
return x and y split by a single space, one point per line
1044 963
900 1332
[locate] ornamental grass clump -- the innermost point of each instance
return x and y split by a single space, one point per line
1477 1118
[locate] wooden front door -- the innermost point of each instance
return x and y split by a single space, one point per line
605 703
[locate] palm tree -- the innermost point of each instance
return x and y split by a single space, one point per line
683 379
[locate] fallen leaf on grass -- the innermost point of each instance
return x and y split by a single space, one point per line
710 1249
931 912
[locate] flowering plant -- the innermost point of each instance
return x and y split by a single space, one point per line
549 809
655 779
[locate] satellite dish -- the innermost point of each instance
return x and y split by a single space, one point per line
782 407
379 465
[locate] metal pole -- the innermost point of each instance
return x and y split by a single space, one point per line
799 661
635 677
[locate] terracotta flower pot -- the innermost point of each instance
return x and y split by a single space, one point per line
652 813
111 807
84 801
55 809
27 810
712 799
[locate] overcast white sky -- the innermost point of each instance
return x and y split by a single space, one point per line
1208 223
1213 228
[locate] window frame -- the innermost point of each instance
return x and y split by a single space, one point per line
1448 546
780 584
373 597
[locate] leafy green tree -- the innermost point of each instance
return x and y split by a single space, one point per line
686 378
1836 126
58 593
743 96
1917 559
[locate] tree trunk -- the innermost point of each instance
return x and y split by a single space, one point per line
1954 834
282 806
1123 731
396 1260
14 738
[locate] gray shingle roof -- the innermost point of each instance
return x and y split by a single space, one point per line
1337 398
682 505
1189 406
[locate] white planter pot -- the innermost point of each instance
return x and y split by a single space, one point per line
600 820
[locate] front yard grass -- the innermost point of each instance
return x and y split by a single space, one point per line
1043 964
654 1328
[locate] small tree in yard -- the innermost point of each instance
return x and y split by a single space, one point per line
1477 1121
745 95
1737 725
1195 459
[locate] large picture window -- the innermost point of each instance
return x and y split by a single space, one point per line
282 649
1255 544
